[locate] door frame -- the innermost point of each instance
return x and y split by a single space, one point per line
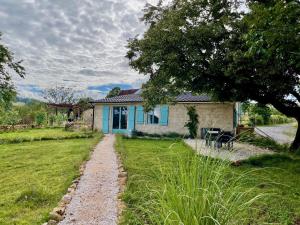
119 130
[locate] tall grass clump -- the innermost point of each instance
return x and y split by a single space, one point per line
263 142
199 191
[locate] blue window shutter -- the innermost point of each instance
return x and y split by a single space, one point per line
164 115
131 118
140 114
105 119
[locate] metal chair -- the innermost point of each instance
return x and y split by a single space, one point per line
225 137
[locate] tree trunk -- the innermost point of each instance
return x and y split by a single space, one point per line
296 143
290 112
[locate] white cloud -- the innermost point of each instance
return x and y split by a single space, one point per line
72 43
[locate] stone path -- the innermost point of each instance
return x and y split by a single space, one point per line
241 151
95 200
283 133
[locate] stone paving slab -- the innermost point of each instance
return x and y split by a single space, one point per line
240 151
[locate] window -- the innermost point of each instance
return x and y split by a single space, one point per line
119 117
153 116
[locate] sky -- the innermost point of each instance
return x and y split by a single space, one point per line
73 43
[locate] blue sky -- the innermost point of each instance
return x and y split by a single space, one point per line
78 44
107 87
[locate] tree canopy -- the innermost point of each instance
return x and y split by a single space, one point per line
213 47
60 95
84 103
113 92
7 66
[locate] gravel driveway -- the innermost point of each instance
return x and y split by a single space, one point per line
95 200
283 133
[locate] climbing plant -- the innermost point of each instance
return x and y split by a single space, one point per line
193 121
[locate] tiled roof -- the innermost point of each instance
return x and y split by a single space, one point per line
121 98
185 97
128 91
188 97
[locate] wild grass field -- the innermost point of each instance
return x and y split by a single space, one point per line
35 175
168 184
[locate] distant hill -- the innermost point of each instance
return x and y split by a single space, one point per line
26 100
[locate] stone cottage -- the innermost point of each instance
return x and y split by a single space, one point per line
124 113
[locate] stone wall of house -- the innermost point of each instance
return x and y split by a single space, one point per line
87 116
98 117
217 115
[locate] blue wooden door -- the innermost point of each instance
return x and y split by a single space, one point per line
131 118
105 119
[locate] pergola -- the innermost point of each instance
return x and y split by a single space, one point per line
67 107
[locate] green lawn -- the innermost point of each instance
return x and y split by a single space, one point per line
39 134
35 175
278 177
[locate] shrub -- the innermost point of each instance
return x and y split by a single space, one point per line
136 133
278 119
40 118
51 118
29 111
69 126
9 117
60 119
257 120
193 121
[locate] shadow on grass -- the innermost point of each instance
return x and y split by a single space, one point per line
271 160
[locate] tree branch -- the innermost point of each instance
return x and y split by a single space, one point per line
291 109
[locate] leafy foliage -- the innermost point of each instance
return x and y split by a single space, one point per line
168 135
9 117
7 65
259 114
210 46
113 92
84 103
41 118
193 121
29 111
59 119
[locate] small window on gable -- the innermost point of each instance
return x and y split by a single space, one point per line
153 116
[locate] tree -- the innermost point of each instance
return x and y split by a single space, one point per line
9 117
60 95
84 103
256 109
8 65
113 92
210 46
